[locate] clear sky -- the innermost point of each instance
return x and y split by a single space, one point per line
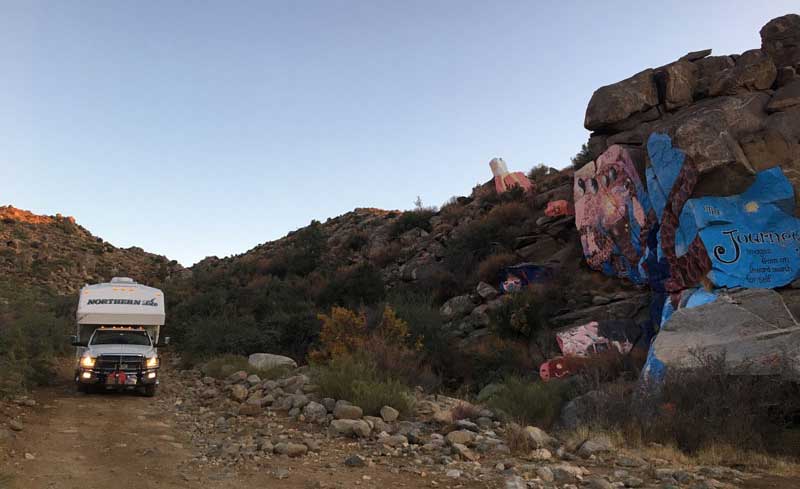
204 128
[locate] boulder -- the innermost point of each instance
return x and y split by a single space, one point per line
389 414
752 327
265 361
785 97
615 103
593 446
538 437
679 80
709 71
457 307
347 411
463 437
314 411
780 39
707 130
486 291
695 55
351 427
754 70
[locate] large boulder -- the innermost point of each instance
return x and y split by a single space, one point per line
679 80
754 70
265 361
752 328
709 71
707 130
615 103
785 97
780 39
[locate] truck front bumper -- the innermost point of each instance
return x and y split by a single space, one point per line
114 379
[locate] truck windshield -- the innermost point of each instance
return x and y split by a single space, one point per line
121 338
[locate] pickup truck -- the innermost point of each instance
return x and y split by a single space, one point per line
117 339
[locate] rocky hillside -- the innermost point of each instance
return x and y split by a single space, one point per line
57 254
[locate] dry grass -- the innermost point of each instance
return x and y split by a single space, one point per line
518 440
6 480
489 269
465 410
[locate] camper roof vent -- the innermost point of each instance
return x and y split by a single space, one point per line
122 280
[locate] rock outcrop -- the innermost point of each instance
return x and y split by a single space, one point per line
732 115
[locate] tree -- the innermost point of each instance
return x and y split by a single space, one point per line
584 156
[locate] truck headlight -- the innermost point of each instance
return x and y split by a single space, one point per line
152 362
87 362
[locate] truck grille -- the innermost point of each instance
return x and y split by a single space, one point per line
128 363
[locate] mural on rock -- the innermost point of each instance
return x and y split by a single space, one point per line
558 208
517 277
505 180
611 206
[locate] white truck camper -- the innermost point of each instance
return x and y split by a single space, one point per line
117 339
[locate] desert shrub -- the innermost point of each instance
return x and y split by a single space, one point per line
356 380
488 361
489 269
33 336
465 410
354 286
356 241
408 220
303 256
407 364
524 315
385 254
538 172
710 408
493 234
453 211
531 402
343 333
220 367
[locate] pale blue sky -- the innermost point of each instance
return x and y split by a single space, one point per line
204 128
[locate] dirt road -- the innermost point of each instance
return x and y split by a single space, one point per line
77 441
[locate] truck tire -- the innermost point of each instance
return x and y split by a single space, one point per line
150 390
83 388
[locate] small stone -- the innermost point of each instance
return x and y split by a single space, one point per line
29 456
516 482
389 414
281 473
355 460
463 437
296 449
545 474
633 482
15 425
239 393
464 452
453 473
253 379
598 483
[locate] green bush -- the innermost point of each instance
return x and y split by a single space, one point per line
32 338
354 286
358 381
529 402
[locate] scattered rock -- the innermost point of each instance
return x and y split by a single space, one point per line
264 361
389 414
344 411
